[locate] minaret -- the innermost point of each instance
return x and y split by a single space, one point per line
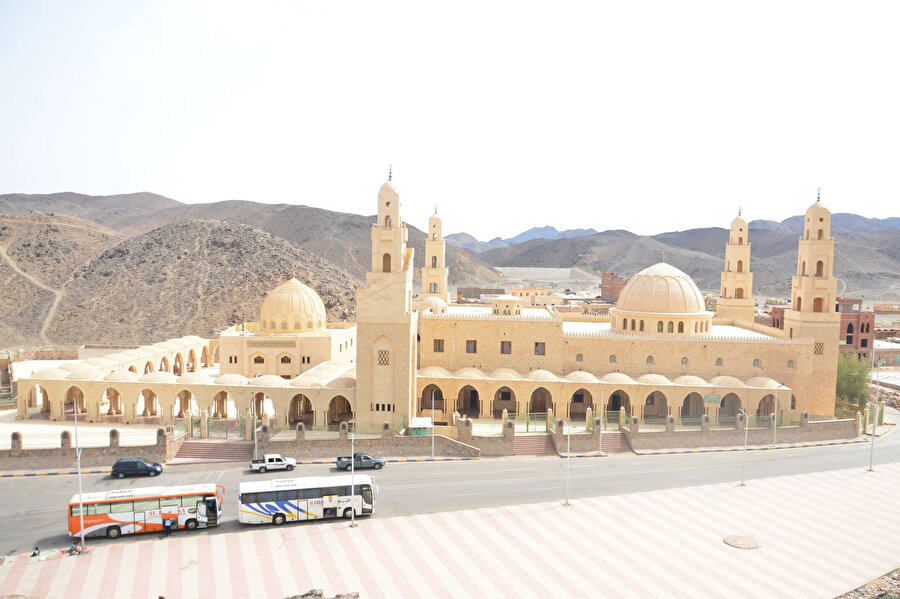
386 324
812 314
735 301
435 271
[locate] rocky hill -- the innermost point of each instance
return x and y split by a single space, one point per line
190 278
38 254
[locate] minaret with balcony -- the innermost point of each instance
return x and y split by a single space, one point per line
736 301
435 272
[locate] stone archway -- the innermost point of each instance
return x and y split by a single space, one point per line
220 405
113 401
540 401
618 400
191 361
301 410
693 406
468 402
147 404
656 405
580 402
204 357
730 406
432 398
339 410
184 406
38 396
177 365
766 406
75 396
164 364
148 367
504 399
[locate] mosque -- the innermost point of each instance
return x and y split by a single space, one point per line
658 353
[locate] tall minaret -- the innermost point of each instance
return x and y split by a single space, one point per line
385 322
736 293
812 314
435 271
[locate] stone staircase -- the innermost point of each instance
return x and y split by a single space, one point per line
195 452
533 444
615 442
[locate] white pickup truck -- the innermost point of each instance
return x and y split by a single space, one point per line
273 461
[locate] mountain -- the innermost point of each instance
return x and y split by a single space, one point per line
105 210
841 222
189 278
468 242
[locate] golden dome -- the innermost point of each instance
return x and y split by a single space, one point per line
661 289
292 307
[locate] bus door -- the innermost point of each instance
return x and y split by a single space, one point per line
208 507
312 507
140 521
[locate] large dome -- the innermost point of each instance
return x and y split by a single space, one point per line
661 289
292 307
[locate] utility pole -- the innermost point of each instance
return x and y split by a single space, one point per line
352 480
568 458
78 463
877 365
432 423
746 432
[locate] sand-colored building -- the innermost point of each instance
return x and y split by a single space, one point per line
658 353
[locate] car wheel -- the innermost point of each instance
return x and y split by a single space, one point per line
290 467
378 466
191 525
113 532
262 469
278 519
120 475
153 473
348 467
348 513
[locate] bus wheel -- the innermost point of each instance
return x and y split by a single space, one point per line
191 525
113 532
348 513
278 519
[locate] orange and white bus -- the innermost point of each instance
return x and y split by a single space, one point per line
130 511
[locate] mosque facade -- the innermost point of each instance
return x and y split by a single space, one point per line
658 353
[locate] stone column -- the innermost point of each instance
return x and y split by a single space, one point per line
129 412
93 411
248 426
204 424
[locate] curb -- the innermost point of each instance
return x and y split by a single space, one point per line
752 448
584 455
405 460
53 473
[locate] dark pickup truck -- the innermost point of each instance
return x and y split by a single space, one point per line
360 460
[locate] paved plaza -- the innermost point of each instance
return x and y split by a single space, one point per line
656 544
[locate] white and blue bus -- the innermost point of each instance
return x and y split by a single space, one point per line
310 498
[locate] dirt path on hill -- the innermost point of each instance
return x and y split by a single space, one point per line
57 294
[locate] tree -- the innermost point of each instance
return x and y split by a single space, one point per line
853 380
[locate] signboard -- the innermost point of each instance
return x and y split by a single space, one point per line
712 398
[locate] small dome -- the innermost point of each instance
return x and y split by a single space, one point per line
617 377
51 374
435 372
762 382
145 350
230 379
292 307
165 345
84 375
506 374
691 381
739 224
469 373
541 375
580 376
726 381
160 376
267 380
138 353
116 358
343 382
194 378
77 367
388 191
98 362
122 376
653 379
433 304
661 289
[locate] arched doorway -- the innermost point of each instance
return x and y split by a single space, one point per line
693 406
262 406
148 367
766 406
301 411
655 406
580 402
432 398
164 364
147 404
467 402
37 396
113 402
75 397
541 401
339 410
204 357
192 361
220 405
618 400
177 365
184 404
730 406
504 399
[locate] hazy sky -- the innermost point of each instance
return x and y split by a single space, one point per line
648 116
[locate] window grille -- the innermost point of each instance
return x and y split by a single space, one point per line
384 357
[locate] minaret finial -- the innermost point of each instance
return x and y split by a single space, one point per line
435 209
818 194
739 210
390 171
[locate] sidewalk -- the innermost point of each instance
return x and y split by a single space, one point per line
657 544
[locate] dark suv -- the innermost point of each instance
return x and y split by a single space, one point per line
135 467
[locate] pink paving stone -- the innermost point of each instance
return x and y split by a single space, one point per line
331 569
414 555
15 575
264 567
234 557
175 572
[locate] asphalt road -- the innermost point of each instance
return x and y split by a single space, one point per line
32 510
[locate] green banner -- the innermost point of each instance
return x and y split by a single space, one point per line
712 398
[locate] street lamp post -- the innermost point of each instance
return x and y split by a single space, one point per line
602 424
775 423
568 458
876 365
746 432
253 413
432 423
78 464
352 480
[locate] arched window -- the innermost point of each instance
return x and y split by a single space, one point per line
434 237
740 266
803 268
739 293
849 337
821 233
684 361
680 327
718 361
820 269
740 242
285 360
386 263
798 304
671 327
259 360
434 287
649 359
632 324
579 358
659 327
434 262
642 325
818 305
387 221
757 363
793 402
624 324
284 326
791 364
612 359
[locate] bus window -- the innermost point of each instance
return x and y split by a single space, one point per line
76 511
142 505
169 504
121 507
366 492
97 508
264 497
310 493
286 495
191 500
332 491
